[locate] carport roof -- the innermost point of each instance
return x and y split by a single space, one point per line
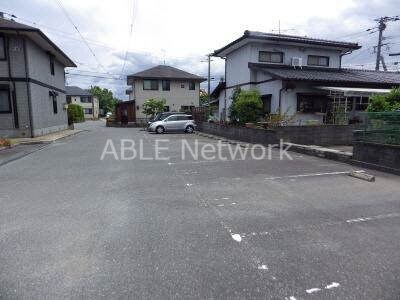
331 75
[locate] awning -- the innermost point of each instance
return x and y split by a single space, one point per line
354 92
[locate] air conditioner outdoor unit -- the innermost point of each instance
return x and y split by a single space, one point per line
297 62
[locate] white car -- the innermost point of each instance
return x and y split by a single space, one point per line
180 122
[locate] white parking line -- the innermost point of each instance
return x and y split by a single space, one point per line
378 217
314 175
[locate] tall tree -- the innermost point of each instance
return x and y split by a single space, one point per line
153 106
106 98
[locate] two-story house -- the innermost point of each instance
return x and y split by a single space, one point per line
32 82
84 98
179 89
298 76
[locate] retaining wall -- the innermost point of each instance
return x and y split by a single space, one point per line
326 135
385 157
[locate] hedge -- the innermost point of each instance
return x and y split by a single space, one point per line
75 114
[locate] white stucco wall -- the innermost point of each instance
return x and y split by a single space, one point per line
94 106
175 97
291 51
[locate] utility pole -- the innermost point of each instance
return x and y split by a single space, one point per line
381 28
209 83
382 25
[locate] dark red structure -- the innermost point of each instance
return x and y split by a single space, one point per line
125 111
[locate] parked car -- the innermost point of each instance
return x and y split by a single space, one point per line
163 115
108 114
175 122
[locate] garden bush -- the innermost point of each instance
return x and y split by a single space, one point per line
75 114
248 106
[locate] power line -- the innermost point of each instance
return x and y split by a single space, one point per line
93 76
130 36
80 34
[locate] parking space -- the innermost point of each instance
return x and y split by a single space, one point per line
307 226
297 228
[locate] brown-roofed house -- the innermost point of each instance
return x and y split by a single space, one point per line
180 89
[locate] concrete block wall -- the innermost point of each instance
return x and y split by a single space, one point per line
306 135
381 155
324 135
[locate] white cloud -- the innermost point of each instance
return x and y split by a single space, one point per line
187 30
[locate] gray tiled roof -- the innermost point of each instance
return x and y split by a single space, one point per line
37 35
11 24
166 72
339 76
301 39
263 36
76 91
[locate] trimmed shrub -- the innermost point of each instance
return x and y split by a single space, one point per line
248 106
75 114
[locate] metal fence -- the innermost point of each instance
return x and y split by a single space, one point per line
379 127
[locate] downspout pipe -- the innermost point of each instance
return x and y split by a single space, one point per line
343 54
280 99
14 93
28 86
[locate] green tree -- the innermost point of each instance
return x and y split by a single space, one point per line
388 102
248 106
203 98
107 101
233 114
75 114
153 106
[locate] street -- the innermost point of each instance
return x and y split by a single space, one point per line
75 226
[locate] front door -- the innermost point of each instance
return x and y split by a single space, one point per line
266 100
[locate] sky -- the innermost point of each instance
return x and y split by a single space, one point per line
121 37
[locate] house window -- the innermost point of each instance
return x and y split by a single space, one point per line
5 100
271 57
315 60
2 48
53 98
51 58
86 99
150 84
68 99
361 103
192 86
166 85
88 111
166 108
186 108
182 85
311 103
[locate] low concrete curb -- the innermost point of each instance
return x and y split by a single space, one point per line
322 152
312 150
49 141
362 176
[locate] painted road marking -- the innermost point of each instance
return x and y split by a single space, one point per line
313 175
316 226
237 237
317 290
313 290
378 217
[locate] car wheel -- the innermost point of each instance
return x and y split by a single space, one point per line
189 129
160 129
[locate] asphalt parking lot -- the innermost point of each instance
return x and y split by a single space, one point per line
75 226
